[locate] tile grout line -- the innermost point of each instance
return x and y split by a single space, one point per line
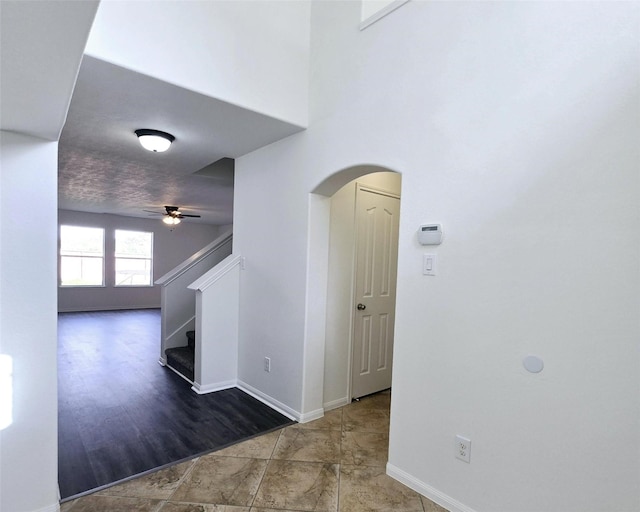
181 480
344 421
160 506
340 464
273 450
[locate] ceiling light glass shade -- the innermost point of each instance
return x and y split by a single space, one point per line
154 140
171 220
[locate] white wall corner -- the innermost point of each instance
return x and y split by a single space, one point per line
55 507
311 416
334 404
215 386
315 304
440 498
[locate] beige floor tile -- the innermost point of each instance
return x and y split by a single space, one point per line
332 420
364 448
359 418
304 486
369 489
430 506
308 445
380 400
95 503
200 507
254 509
260 447
341 455
66 506
159 485
221 481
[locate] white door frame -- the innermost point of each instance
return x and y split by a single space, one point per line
375 190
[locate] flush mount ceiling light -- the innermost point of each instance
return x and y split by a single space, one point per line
154 140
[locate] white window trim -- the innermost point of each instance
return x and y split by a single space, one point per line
103 258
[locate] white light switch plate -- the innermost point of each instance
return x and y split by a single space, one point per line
429 264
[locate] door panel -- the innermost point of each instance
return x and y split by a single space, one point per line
376 267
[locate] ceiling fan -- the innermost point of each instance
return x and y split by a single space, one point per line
172 214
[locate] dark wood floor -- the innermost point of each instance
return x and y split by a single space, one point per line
122 414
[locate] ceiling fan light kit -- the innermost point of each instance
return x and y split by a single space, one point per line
154 140
172 215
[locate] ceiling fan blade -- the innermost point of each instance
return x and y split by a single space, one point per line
187 215
154 212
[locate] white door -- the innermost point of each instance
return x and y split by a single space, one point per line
375 291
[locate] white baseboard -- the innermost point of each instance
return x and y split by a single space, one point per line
177 373
426 490
271 402
311 416
210 388
55 507
334 404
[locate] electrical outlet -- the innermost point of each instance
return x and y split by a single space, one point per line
463 449
267 364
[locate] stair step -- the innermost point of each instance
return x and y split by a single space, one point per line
191 339
181 359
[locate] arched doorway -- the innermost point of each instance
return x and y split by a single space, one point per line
341 192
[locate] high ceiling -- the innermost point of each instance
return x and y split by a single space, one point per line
103 168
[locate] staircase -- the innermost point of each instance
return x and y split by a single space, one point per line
181 359
178 305
202 295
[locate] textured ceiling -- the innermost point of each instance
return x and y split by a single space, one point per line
103 168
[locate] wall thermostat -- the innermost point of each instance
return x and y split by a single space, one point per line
430 234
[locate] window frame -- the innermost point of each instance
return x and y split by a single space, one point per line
61 256
116 257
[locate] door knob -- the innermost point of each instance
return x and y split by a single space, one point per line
361 307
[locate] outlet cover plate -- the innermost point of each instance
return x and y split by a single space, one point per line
462 449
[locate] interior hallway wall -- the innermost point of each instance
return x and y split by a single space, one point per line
170 248
28 317
515 125
42 45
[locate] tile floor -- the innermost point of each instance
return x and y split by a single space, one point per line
334 464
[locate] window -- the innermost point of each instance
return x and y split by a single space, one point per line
81 256
134 258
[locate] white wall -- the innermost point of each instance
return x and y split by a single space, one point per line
341 268
35 97
170 248
273 241
254 54
29 446
515 124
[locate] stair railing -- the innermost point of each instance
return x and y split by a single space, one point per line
177 301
